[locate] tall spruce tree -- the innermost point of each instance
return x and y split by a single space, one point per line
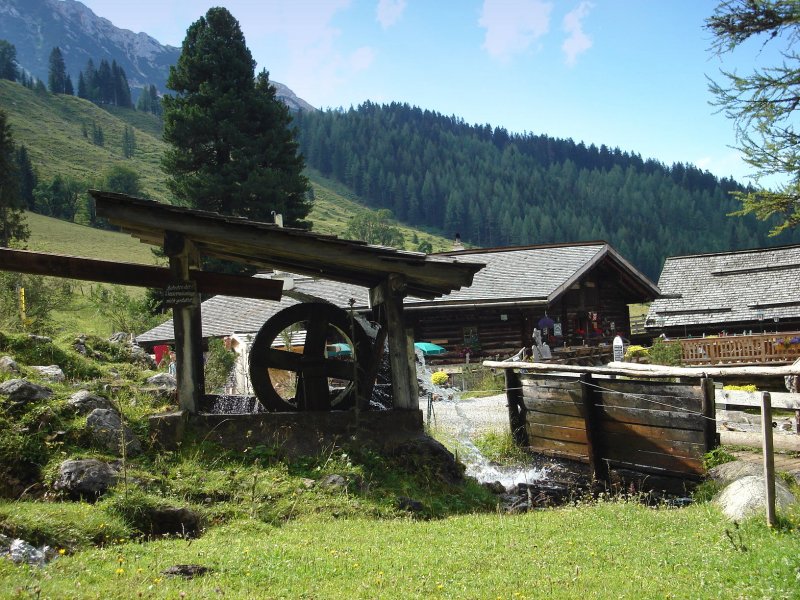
12 217
232 150
57 72
763 104
8 60
27 177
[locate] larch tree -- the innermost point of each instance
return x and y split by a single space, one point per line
763 103
232 147
12 216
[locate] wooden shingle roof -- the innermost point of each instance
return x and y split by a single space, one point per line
535 275
728 287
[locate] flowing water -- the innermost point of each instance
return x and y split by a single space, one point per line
464 427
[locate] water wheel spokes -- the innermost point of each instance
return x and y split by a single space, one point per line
284 377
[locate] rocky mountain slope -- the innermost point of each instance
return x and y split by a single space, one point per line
35 27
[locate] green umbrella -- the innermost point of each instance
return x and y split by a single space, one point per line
427 348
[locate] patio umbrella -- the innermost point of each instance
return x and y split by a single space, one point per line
428 349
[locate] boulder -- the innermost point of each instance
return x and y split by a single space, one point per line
120 337
746 497
22 390
334 481
141 357
426 452
85 402
163 381
8 365
108 431
21 552
50 373
88 479
731 471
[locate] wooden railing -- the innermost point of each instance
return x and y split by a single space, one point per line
740 349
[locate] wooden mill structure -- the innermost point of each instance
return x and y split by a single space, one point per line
186 235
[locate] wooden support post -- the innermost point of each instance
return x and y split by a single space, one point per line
390 294
710 437
188 326
769 456
516 407
594 446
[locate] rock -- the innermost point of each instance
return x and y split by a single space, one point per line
5 544
495 487
140 356
168 520
8 365
187 571
85 402
332 482
108 430
546 493
22 390
120 337
747 496
731 471
50 373
410 505
88 479
80 345
163 380
41 339
21 552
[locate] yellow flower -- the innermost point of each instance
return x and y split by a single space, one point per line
61 551
120 571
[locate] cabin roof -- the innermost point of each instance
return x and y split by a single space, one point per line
534 275
266 245
728 287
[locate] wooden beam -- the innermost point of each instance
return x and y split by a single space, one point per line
188 329
107 271
640 370
591 417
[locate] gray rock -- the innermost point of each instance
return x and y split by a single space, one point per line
50 373
333 482
22 390
22 552
41 339
746 497
120 337
85 402
410 505
140 356
107 429
731 471
5 544
8 365
163 380
87 479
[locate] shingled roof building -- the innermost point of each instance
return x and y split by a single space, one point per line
582 289
736 292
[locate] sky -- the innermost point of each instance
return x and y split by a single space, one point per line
631 74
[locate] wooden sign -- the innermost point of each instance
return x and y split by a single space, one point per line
180 294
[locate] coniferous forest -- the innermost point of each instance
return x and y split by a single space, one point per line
497 188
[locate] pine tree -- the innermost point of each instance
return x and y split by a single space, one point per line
128 142
8 60
12 217
68 89
82 89
57 73
232 150
763 103
27 177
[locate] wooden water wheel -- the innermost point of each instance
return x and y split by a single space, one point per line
324 371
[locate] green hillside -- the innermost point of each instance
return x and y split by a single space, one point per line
51 127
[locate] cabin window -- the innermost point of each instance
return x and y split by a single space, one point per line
470 336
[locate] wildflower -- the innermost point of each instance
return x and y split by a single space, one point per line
61 551
120 571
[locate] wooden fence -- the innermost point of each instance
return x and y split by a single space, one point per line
740 349
661 429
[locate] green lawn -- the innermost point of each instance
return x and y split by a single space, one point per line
610 550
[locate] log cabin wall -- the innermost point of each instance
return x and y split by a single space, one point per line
486 331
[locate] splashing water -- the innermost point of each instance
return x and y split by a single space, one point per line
464 428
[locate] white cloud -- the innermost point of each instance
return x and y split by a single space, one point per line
511 27
577 41
389 11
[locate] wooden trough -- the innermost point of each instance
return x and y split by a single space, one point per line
652 433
